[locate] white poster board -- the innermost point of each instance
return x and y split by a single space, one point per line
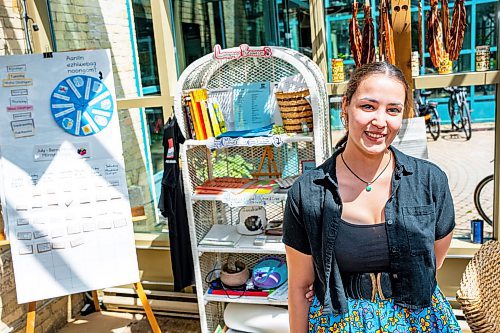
64 192
412 138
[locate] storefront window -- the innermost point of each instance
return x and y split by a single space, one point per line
337 15
480 29
298 36
146 46
202 24
486 33
137 164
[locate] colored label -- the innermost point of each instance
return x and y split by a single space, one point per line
17 108
17 83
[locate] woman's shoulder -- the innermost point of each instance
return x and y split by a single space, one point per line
420 167
312 178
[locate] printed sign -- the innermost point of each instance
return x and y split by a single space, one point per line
64 151
16 108
16 68
16 83
21 100
70 228
23 128
81 105
14 76
19 92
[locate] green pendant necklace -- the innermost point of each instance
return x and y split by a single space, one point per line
368 187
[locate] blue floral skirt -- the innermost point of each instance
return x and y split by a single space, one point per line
383 316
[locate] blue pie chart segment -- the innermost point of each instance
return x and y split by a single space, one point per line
82 105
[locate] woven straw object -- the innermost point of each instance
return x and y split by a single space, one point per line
479 293
295 110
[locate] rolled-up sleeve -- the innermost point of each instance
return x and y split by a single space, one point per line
445 210
294 232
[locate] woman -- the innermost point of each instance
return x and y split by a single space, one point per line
370 226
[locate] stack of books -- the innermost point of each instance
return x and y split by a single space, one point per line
222 185
204 118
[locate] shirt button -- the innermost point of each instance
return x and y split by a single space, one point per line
393 249
389 222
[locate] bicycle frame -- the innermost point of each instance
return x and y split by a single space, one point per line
459 115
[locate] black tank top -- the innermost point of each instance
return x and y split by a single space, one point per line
361 248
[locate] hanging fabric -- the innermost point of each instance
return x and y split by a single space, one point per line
172 205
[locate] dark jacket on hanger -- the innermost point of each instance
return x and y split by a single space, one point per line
172 205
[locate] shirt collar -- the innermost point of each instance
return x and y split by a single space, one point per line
403 165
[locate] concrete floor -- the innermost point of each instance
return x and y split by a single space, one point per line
117 322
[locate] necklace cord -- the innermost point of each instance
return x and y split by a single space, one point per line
364 181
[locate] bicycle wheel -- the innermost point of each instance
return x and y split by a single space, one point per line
433 124
483 199
466 124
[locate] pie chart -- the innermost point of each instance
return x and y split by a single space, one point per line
82 105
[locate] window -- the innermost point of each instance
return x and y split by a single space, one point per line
146 46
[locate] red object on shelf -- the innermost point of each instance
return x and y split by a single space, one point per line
263 293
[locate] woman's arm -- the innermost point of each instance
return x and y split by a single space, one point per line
441 247
300 277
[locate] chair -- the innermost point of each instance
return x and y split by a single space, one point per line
479 292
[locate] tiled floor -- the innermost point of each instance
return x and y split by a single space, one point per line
465 163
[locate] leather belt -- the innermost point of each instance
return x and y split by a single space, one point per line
368 285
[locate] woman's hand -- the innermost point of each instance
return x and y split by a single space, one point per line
310 294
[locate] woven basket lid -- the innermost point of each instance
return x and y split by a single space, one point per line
479 293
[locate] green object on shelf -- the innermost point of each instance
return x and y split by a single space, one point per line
278 130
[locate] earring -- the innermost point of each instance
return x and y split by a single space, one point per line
344 121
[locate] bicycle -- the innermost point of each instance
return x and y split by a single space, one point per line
428 110
459 111
483 199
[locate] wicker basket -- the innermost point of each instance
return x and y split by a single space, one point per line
479 293
295 110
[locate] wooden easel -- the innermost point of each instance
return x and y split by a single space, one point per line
271 164
30 322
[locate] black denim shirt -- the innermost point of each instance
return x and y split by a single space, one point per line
419 211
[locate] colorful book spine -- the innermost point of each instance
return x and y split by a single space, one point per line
189 121
201 133
220 117
213 119
201 95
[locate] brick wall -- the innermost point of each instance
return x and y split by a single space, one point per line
50 315
90 24
79 24
11 30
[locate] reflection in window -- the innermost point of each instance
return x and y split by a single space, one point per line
485 24
155 121
146 46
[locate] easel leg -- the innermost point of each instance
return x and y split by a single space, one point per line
30 321
149 312
96 301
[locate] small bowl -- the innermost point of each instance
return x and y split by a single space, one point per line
234 279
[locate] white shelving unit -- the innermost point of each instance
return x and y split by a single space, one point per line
204 160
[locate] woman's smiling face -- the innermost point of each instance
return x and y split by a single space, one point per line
375 113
